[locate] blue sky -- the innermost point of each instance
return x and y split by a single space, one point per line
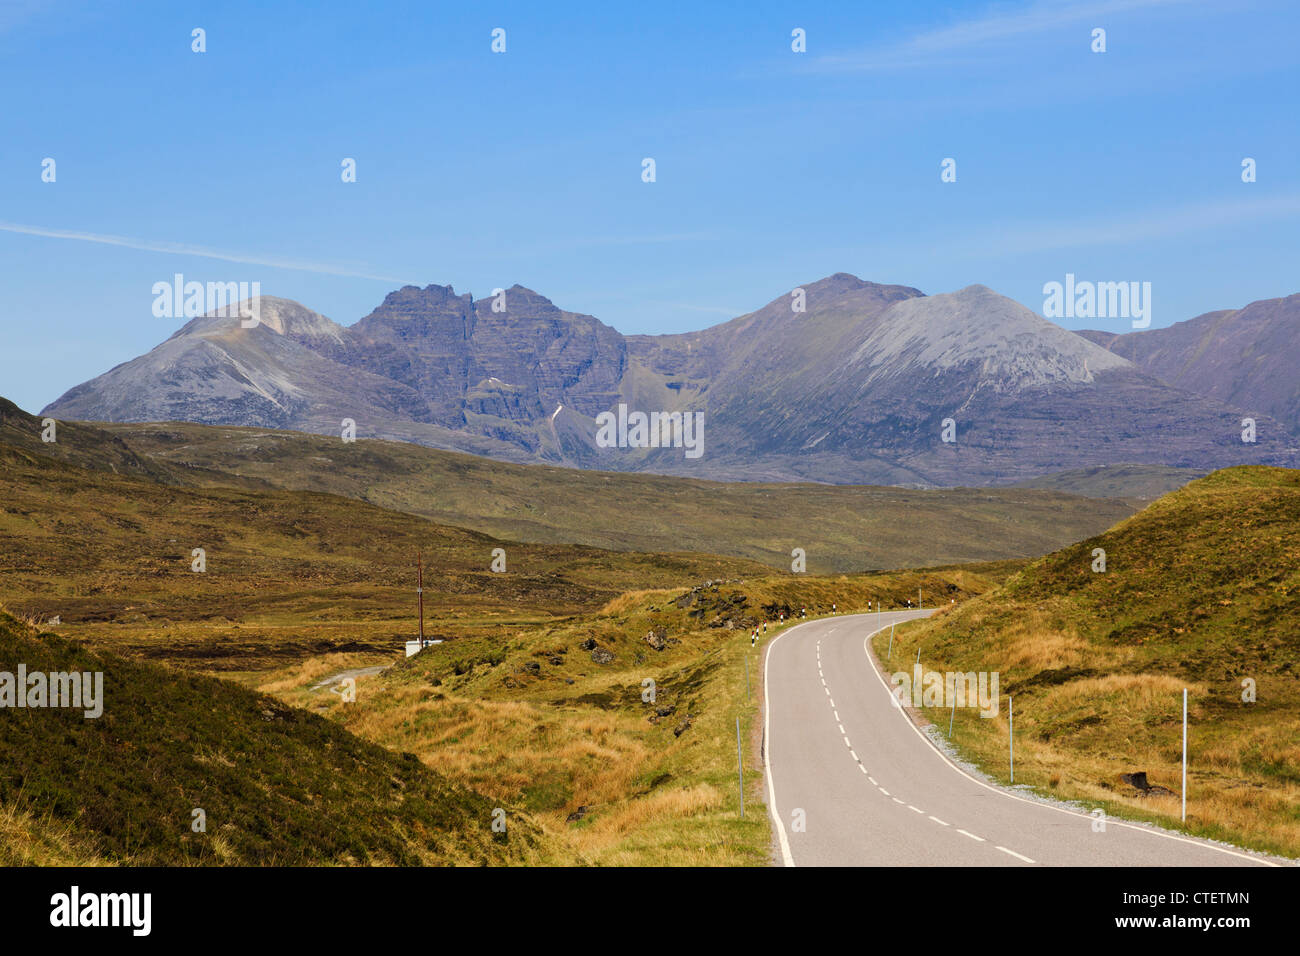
773 168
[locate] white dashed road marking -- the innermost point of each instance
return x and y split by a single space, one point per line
862 767
1015 854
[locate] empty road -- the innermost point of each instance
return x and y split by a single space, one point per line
852 782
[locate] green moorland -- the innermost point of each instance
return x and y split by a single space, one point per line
560 719
533 701
289 575
1201 591
276 784
1136 483
840 527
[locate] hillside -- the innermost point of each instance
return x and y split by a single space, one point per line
288 574
561 719
840 527
1137 484
1245 358
279 786
533 701
1201 590
852 388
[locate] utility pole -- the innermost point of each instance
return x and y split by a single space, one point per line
740 771
419 590
1184 754
1011 737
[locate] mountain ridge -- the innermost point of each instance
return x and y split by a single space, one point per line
841 380
1243 357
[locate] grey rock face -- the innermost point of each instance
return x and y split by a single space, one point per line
1246 358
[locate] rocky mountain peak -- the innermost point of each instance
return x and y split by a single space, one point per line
977 326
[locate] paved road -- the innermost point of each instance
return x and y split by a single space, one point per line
874 791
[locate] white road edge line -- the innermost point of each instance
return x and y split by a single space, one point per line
783 840
1037 803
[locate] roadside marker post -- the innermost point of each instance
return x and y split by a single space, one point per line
891 642
1011 735
740 771
1184 754
952 716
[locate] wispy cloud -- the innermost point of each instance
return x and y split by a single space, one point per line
187 249
995 25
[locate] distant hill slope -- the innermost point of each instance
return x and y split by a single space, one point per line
278 786
86 446
288 574
1135 483
1246 358
840 528
76 444
1200 590
853 388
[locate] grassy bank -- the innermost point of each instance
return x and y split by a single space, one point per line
1201 591
556 718
276 785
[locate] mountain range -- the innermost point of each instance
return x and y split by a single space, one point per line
868 383
1247 358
